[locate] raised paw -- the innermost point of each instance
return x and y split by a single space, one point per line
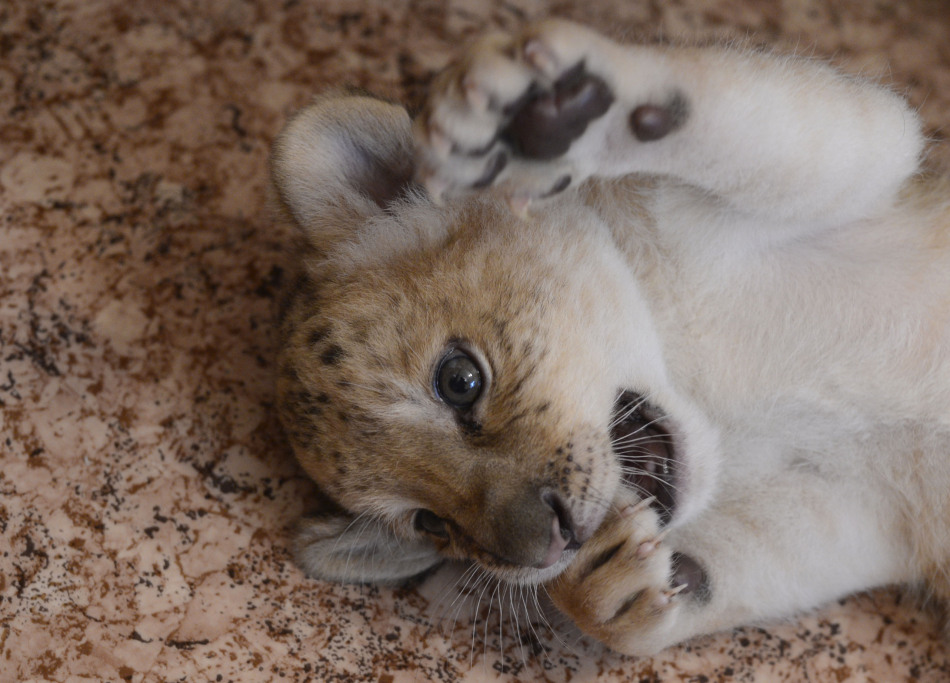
509 110
545 124
626 586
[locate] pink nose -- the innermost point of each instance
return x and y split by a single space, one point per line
530 528
557 545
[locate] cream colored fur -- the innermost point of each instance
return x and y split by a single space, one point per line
772 274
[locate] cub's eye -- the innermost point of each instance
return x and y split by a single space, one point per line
458 380
431 523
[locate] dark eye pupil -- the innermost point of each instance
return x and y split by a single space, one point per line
463 381
459 381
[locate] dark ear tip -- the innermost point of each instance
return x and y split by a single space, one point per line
343 148
386 182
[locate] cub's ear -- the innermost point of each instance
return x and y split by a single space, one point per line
337 547
343 157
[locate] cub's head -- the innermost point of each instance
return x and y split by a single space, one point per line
460 383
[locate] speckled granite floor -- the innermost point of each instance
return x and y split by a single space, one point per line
145 488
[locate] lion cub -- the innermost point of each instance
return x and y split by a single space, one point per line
699 377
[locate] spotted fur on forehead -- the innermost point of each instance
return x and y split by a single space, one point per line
422 306
362 343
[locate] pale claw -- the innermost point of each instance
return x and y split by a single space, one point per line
664 598
647 548
538 55
640 506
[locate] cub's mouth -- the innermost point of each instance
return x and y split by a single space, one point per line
646 451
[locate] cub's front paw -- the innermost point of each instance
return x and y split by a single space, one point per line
509 110
625 587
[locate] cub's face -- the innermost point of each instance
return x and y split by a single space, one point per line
481 384
490 384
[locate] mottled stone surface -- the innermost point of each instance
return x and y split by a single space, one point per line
145 487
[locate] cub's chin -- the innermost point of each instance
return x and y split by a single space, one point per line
531 576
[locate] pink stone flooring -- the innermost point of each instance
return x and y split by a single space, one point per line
145 487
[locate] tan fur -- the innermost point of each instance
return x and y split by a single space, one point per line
768 273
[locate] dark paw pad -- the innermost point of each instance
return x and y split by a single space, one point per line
688 572
651 121
545 124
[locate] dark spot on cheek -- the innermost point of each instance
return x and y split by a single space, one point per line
470 427
318 335
651 122
304 402
332 355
